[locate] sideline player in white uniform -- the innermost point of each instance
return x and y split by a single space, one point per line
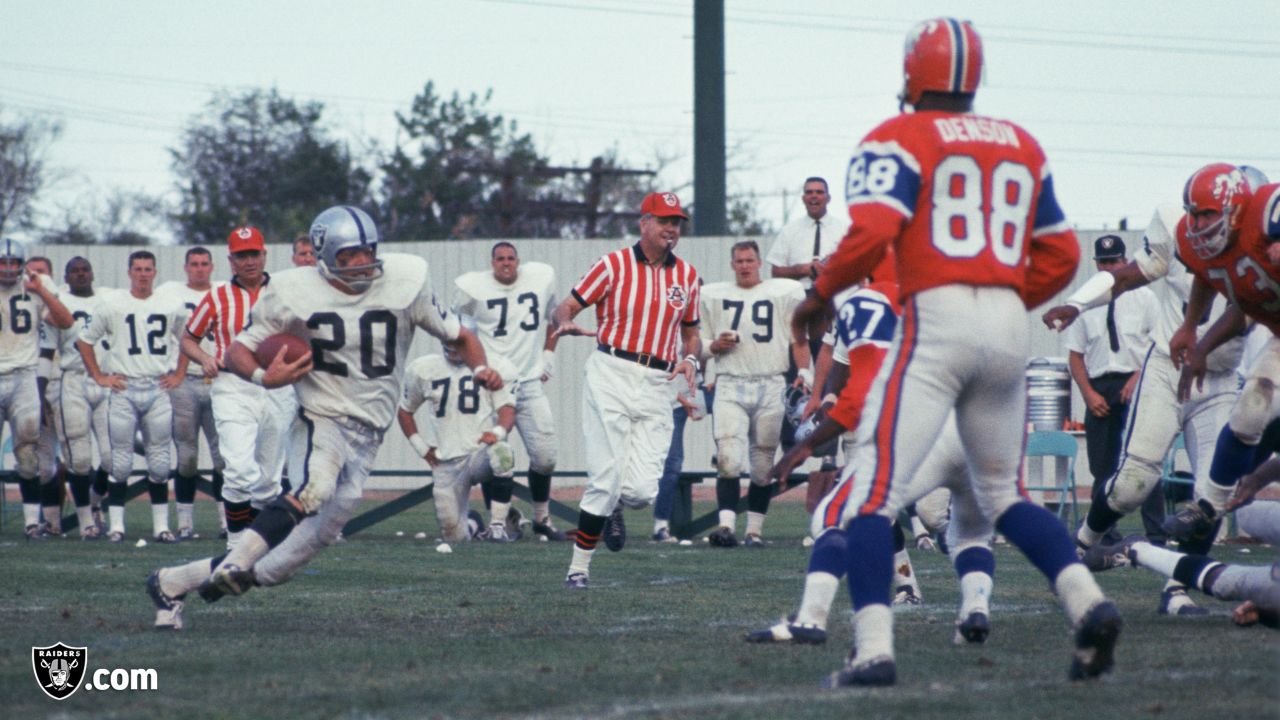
143 331
465 442
746 327
52 472
26 299
1155 414
78 403
251 427
359 312
192 407
511 307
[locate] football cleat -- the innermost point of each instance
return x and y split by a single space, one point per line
514 523
168 609
186 533
1096 637
1175 601
663 535
166 537
498 533
789 631
615 530
906 596
576 581
115 536
753 540
925 543
973 629
226 580
1193 521
476 529
723 537
878 672
1105 557
36 531
92 532
544 529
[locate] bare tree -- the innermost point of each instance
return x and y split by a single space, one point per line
24 143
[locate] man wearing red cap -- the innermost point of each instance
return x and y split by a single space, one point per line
645 297
192 410
251 433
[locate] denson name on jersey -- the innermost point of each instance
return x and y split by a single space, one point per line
358 342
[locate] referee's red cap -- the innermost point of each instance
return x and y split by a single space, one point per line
662 204
246 238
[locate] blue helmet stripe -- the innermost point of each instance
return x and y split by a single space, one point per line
958 55
355 217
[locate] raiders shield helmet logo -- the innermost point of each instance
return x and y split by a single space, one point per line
59 669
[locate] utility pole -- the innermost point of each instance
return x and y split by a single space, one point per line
709 210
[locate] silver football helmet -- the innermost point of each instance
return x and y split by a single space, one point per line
339 228
11 250
1255 177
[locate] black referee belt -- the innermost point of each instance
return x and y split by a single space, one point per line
645 359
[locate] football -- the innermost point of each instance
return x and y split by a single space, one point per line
295 346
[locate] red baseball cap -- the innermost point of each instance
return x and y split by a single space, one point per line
662 204
246 238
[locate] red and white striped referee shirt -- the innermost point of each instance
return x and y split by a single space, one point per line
224 312
639 307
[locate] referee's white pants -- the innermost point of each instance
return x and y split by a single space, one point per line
251 438
627 424
1156 417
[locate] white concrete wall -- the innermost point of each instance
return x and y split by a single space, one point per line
571 258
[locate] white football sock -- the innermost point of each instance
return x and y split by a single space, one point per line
182 579
819 592
498 512
85 516
159 518
903 573
873 632
186 513
755 523
975 593
542 511
249 550
116 515
660 525
31 513
1077 591
1157 558
1087 537
581 562
729 519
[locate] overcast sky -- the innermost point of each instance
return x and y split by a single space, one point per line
1127 98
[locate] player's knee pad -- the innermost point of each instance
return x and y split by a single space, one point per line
1133 482
27 456
315 493
730 456
761 463
79 455
541 448
1252 411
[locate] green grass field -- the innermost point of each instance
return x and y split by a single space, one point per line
384 626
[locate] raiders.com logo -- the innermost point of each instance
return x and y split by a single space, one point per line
61 670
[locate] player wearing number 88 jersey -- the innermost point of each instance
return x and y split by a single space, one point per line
143 331
745 326
510 307
967 203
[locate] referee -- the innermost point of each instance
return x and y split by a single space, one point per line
646 298
251 432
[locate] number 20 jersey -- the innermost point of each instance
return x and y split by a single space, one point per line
358 342
510 319
964 196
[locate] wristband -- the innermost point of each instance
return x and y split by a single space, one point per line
419 445
1095 292
499 432
806 374
830 398
693 360
479 369
257 376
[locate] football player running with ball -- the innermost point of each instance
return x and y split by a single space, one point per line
967 203
358 311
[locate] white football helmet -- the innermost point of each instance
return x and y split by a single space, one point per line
339 228
451 351
11 250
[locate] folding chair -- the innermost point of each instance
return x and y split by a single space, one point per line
1062 447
